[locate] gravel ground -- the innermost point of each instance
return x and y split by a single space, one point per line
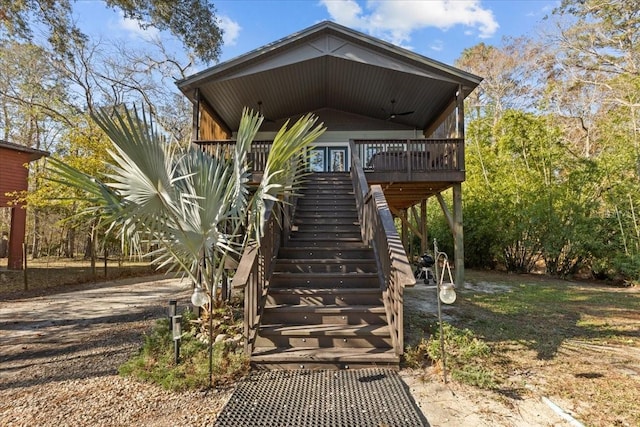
59 356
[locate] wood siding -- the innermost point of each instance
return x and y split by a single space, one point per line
209 129
13 173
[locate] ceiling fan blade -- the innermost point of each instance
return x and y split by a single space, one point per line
392 115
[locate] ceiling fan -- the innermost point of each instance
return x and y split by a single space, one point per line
392 115
266 120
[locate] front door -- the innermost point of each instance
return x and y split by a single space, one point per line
329 159
338 161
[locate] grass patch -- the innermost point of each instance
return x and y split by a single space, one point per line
156 360
577 343
465 355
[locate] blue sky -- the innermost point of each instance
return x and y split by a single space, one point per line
438 29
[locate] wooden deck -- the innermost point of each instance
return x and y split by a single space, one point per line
408 170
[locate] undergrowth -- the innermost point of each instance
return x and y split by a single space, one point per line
466 356
155 361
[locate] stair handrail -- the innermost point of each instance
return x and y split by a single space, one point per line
378 230
256 266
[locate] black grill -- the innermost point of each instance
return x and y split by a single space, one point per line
358 398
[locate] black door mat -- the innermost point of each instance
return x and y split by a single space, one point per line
357 398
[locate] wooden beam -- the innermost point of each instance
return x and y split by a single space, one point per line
403 218
460 124
445 211
424 244
405 234
195 131
458 234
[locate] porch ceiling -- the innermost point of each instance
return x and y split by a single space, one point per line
331 67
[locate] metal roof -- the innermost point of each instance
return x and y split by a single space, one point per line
331 67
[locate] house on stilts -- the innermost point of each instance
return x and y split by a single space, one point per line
325 288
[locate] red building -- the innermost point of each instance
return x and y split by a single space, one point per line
14 176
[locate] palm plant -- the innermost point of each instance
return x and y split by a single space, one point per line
195 208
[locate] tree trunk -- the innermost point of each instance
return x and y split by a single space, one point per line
70 243
35 246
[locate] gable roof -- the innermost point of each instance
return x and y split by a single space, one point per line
332 67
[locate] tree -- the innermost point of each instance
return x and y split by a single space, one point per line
193 206
510 76
192 21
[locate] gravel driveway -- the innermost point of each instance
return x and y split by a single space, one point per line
59 356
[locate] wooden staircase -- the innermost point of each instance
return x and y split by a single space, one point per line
324 306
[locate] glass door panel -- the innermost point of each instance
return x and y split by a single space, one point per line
338 161
317 160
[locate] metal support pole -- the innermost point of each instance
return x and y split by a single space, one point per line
437 254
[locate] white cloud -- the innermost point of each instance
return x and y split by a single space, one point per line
231 30
396 20
437 45
133 28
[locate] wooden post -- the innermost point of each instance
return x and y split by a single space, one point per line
460 124
405 232
458 235
24 258
195 132
106 256
424 243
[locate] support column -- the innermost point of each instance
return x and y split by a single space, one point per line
458 235
424 242
16 237
195 120
405 232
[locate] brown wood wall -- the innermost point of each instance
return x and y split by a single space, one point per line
13 173
209 129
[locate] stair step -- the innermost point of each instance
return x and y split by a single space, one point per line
331 265
333 243
328 214
307 252
326 296
329 192
325 220
324 336
328 228
313 205
329 314
315 358
340 236
325 280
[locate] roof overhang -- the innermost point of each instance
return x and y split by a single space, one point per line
32 153
331 67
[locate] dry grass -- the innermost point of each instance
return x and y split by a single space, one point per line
576 343
52 274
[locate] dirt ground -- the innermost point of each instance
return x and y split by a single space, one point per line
60 352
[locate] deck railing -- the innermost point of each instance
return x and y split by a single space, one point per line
378 229
255 268
257 157
409 155
376 155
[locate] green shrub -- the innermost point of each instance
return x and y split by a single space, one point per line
155 362
465 354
